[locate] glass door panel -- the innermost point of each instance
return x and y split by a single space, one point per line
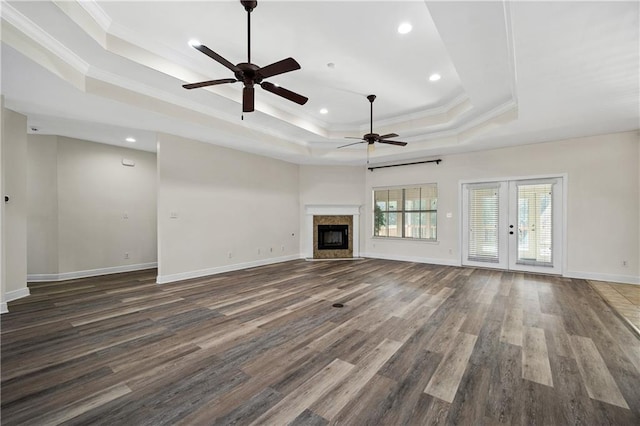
513 225
483 225
535 212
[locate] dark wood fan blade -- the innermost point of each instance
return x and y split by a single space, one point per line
279 67
393 142
349 144
248 96
213 55
281 91
389 136
351 137
209 83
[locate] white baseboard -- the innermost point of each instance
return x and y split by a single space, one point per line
13 295
34 278
624 279
164 279
416 259
16 294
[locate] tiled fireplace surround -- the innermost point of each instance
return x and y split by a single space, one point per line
332 215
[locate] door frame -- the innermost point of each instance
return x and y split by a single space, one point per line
565 196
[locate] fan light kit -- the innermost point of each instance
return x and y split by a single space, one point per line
434 77
324 111
250 74
130 139
371 137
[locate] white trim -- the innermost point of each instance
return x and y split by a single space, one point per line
332 210
416 259
164 279
16 294
3 308
511 51
503 178
595 276
34 278
565 209
443 112
97 14
42 38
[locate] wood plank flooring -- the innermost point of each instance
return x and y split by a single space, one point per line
414 344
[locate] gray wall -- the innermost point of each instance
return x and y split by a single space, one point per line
603 201
87 211
14 214
231 209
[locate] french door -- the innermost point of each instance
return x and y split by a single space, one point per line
515 225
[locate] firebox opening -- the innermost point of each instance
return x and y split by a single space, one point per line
333 237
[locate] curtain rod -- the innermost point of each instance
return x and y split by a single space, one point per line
405 164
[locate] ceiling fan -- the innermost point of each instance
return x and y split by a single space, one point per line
371 137
250 74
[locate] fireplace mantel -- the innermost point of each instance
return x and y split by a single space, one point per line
332 209
312 210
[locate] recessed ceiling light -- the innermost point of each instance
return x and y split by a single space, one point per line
331 65
194 43
404 28
130 139
324 111
434 77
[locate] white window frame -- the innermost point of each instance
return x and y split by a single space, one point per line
402 211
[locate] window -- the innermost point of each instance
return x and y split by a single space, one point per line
406 212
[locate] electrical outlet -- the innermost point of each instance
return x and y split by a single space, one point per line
126 255
270 249
258 251
282 248
230 254
450 251
125 215
625 263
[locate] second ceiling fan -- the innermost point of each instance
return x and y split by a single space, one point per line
370 138
250 74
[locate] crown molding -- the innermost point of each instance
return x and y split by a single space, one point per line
32 31
511 51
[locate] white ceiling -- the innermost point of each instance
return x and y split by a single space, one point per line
512 73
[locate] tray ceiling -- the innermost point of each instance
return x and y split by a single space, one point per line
511 73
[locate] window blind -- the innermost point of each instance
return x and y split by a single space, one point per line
534 218
484 201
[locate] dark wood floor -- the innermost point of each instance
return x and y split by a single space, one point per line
414 344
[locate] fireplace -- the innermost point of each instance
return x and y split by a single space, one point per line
332 231
333 237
